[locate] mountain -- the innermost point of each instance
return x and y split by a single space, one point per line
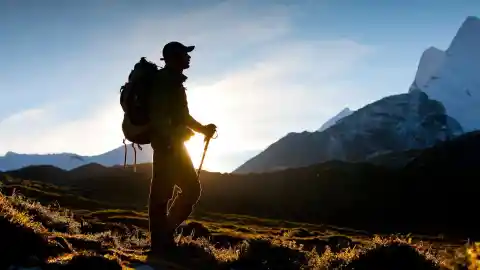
452 77
395 123
449 79
69 161
332 121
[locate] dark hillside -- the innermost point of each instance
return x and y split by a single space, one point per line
434 194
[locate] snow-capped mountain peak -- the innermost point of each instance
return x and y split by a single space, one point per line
430 61
452 77
332 121
466 43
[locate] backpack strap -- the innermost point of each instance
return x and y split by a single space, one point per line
134 155
134 158
125 154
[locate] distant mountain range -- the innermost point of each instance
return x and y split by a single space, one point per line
69 161
443 102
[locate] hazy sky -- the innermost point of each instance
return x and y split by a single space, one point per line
260 69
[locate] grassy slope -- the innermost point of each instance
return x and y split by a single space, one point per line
116 238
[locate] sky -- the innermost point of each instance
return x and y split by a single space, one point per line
260 69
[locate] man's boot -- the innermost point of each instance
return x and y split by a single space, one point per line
162 245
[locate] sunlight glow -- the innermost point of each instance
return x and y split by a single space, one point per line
195 147
198 97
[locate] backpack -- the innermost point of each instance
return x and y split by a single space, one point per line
134 99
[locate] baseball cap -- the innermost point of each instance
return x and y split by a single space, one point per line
175 47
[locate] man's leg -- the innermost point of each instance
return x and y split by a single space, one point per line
190 186
161 191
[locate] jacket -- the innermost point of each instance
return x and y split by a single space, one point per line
168 108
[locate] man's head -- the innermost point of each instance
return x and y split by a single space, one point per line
175 55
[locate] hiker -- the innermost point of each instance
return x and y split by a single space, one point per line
171 126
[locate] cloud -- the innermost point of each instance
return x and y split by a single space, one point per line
18 118
290 89
93 79
21 128
230 24
250 77
43 131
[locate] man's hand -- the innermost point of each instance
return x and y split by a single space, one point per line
209 130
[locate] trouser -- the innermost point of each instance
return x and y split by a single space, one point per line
168 209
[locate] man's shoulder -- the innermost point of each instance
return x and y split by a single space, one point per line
169 76
162 73
163 78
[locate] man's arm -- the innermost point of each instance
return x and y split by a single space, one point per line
189 120
194 124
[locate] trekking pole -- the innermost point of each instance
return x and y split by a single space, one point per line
207 142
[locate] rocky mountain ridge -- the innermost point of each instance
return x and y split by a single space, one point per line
392 124
448 79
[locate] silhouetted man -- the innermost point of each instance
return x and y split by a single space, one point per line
171 127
